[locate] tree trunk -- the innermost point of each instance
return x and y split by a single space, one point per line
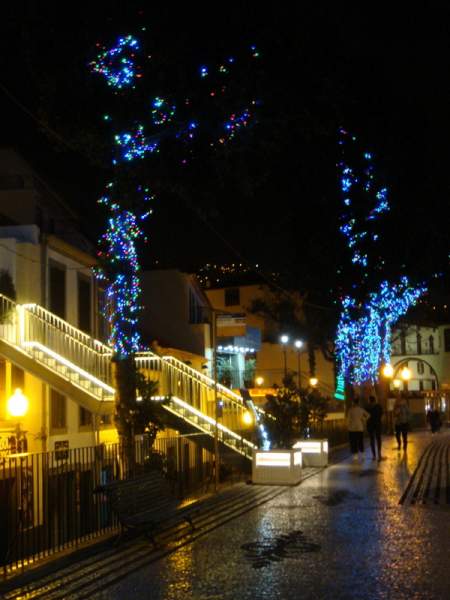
124 382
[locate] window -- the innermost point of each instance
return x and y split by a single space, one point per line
420 368
431 341
447 340
106 420
58 410
17 378
85 417
84 303
232 297
2 376
402 343
57 291
419 344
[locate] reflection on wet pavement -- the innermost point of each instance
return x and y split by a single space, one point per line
341 535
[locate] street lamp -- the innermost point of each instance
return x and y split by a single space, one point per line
388 370
284 340
313 381
405 374
17 407
298 344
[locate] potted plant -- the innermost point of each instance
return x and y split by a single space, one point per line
282 464
312 413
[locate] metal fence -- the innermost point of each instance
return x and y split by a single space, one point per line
47 502
335 431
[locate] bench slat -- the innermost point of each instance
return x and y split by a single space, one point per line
144 502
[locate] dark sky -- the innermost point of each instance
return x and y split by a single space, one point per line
275 201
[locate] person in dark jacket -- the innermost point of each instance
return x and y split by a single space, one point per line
434 418
374 426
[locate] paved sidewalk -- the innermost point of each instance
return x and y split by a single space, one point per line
341 534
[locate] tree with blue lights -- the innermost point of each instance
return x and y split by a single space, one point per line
371 305
171 126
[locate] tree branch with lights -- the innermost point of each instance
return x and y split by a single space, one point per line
371 305
171 128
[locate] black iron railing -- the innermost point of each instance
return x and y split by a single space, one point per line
47 502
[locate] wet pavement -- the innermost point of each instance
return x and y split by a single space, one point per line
364 530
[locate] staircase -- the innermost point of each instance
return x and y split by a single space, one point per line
79 366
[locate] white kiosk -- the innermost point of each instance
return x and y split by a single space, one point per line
314 452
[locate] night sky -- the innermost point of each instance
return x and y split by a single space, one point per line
273 197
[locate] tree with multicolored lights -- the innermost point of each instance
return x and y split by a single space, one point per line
371 305
209 117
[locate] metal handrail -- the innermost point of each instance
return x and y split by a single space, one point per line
65 327
40 333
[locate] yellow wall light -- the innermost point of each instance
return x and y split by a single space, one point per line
259 380
18 404
247 418
313 381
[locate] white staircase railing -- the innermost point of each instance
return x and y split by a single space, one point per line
196 389
86 362
38 325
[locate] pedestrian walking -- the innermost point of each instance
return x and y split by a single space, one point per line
434 419
356 421
402 416
374 426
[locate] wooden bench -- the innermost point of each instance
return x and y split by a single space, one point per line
144 504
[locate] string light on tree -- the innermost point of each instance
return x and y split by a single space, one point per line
363 338
127 209
162 112
134 145
117 65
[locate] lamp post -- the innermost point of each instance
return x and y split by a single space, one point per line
216 405
298 344
388 373
405 374
284 340
17 407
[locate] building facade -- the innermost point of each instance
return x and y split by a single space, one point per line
272 359
48 263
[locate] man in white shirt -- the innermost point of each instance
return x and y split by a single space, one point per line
356 422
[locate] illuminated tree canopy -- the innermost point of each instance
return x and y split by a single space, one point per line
363 338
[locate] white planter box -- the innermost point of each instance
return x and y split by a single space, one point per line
314 452
277 467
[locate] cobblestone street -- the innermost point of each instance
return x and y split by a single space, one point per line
354 530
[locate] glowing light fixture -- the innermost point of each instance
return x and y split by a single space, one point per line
313 381
388 370
247 418
18 404
405 374
259 380
397 383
